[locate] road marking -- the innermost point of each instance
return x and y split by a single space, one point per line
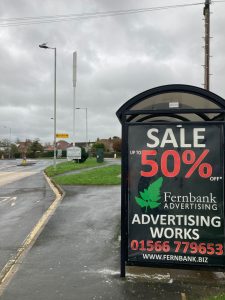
13 264
4 199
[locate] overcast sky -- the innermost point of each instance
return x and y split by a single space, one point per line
118 57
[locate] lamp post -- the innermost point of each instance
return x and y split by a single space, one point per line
44 46
74 91
86 125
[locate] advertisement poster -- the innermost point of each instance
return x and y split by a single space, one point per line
176 194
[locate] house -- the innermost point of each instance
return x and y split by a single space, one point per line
60 145
63 145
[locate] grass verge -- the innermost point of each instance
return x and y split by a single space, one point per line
103 176
218 297
70 166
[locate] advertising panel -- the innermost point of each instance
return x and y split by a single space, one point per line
176 194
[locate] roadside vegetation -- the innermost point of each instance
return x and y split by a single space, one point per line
218 297
70 166
109 175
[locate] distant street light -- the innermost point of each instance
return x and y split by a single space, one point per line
86 125
44 46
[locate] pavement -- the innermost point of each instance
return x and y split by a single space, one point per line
77 256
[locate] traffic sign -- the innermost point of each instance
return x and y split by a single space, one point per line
62 135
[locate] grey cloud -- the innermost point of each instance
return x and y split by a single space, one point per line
118 57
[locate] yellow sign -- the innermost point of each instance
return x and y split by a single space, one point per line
62 135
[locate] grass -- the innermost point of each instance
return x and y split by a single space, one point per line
70 166
218 297
109 175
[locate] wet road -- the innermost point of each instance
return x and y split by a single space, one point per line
24 197
77 257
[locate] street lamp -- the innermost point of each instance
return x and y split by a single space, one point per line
74 91
44 46
86 125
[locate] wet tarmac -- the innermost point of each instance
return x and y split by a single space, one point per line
24 197
77 257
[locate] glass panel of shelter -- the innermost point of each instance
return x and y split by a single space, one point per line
175 100
181 100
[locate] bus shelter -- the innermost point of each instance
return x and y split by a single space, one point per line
172 196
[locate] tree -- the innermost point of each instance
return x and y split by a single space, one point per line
98 145
35 149
23 147
14 151
117 143
5 147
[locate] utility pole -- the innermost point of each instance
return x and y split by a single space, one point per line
206 13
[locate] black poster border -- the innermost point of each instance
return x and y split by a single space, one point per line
124 202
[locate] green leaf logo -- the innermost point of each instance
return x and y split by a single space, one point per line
151 196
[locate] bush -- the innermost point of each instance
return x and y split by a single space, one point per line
17 155
48 154
84 154
97 146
